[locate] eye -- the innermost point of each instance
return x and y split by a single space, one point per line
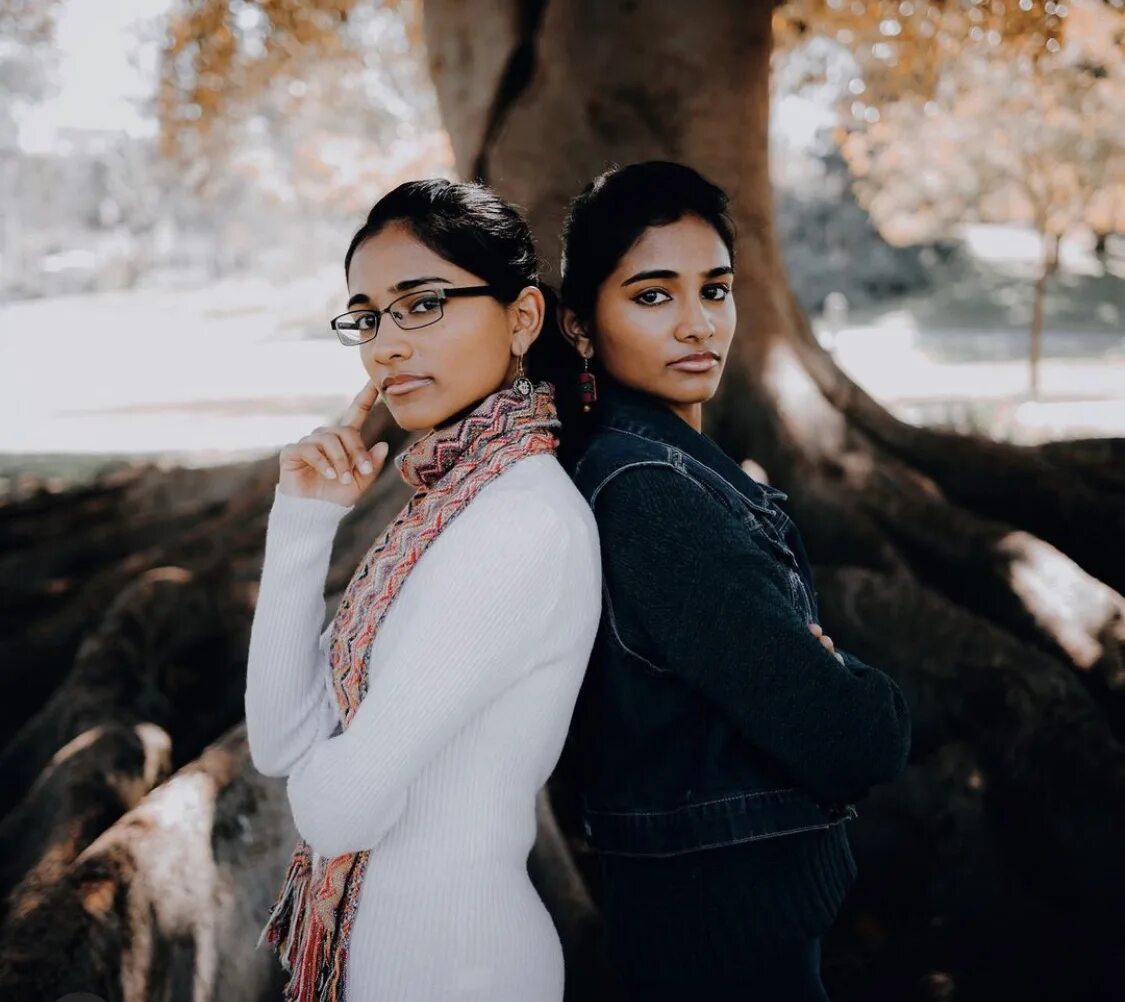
646 297
427 304
364 321
716 293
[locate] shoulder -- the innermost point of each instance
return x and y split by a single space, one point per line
527 540
655 486
608 451
530 512
660 508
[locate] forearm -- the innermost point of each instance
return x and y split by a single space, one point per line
836 728
288 704
888 747
344 797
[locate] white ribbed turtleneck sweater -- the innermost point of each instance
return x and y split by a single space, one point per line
473 677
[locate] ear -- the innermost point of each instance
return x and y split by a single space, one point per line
574 330
527 312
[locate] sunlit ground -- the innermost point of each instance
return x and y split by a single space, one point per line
236 369
956 355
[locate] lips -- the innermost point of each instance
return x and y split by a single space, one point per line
698 361
400 377
403 383
696 357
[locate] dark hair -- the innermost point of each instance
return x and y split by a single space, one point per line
602 224
467 224
616 208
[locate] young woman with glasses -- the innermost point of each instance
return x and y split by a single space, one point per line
417 728
720 739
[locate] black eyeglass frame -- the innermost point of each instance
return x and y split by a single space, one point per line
439 292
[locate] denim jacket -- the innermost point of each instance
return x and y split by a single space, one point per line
710 715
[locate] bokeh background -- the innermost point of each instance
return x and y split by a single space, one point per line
931 206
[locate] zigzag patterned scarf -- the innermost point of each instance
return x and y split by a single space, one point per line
311 921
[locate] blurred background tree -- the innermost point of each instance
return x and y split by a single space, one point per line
26 33
1033 137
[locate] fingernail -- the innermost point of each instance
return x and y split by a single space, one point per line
346 478
330 473
366 467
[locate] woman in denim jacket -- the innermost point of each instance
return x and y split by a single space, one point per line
720 740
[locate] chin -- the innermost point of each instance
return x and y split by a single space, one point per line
694 392
410 418
711 391
423 414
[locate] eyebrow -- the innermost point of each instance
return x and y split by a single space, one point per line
644 276
404 286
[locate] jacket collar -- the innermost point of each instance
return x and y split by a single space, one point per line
638 413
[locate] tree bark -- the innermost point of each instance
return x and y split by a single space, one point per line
168 902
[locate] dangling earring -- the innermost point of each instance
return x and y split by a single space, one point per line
587 386
521 384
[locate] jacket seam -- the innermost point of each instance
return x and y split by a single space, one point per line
725 842
696 803
749 500
692 459
610 615
628 466
612 620
678 467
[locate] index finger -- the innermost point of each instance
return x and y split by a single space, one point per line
361 405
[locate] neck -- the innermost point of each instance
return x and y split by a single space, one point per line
691 413
459 414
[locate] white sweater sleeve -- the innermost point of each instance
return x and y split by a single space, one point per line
477 604
289 702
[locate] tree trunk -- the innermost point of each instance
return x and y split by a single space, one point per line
1101 249
984 577
1048 267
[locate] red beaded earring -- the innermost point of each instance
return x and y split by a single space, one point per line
587 386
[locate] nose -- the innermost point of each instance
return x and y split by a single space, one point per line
693 323
389 345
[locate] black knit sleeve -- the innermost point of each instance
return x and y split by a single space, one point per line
695 595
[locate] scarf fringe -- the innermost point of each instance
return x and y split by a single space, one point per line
303 944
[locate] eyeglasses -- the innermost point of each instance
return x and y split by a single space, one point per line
418 308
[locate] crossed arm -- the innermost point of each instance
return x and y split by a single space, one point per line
694 594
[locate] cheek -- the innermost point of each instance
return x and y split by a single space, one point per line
629 334
476 350
725 322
